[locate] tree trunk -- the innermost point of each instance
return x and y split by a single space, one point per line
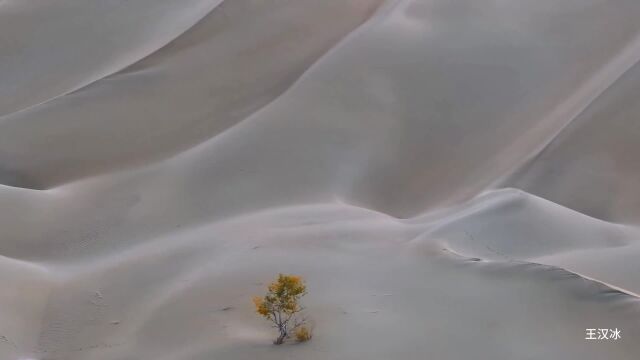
280 338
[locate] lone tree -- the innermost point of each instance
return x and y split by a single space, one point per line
281 305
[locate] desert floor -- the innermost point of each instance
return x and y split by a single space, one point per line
454 179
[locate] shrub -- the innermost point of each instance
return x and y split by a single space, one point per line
281 305
303 334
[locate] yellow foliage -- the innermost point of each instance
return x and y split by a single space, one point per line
281 305
282 297
261 307
303 334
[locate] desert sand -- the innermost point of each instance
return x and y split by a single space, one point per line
454 179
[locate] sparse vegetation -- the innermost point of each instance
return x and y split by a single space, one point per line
281 306
303 334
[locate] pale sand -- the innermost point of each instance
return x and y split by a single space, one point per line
455 179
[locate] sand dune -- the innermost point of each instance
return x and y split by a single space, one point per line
596 154
51 48
454 179
233 61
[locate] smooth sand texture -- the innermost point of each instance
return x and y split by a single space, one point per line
456 179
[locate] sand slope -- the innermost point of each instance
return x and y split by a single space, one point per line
596 153
454 178
233 61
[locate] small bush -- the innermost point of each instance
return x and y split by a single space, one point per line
303 334
281 305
